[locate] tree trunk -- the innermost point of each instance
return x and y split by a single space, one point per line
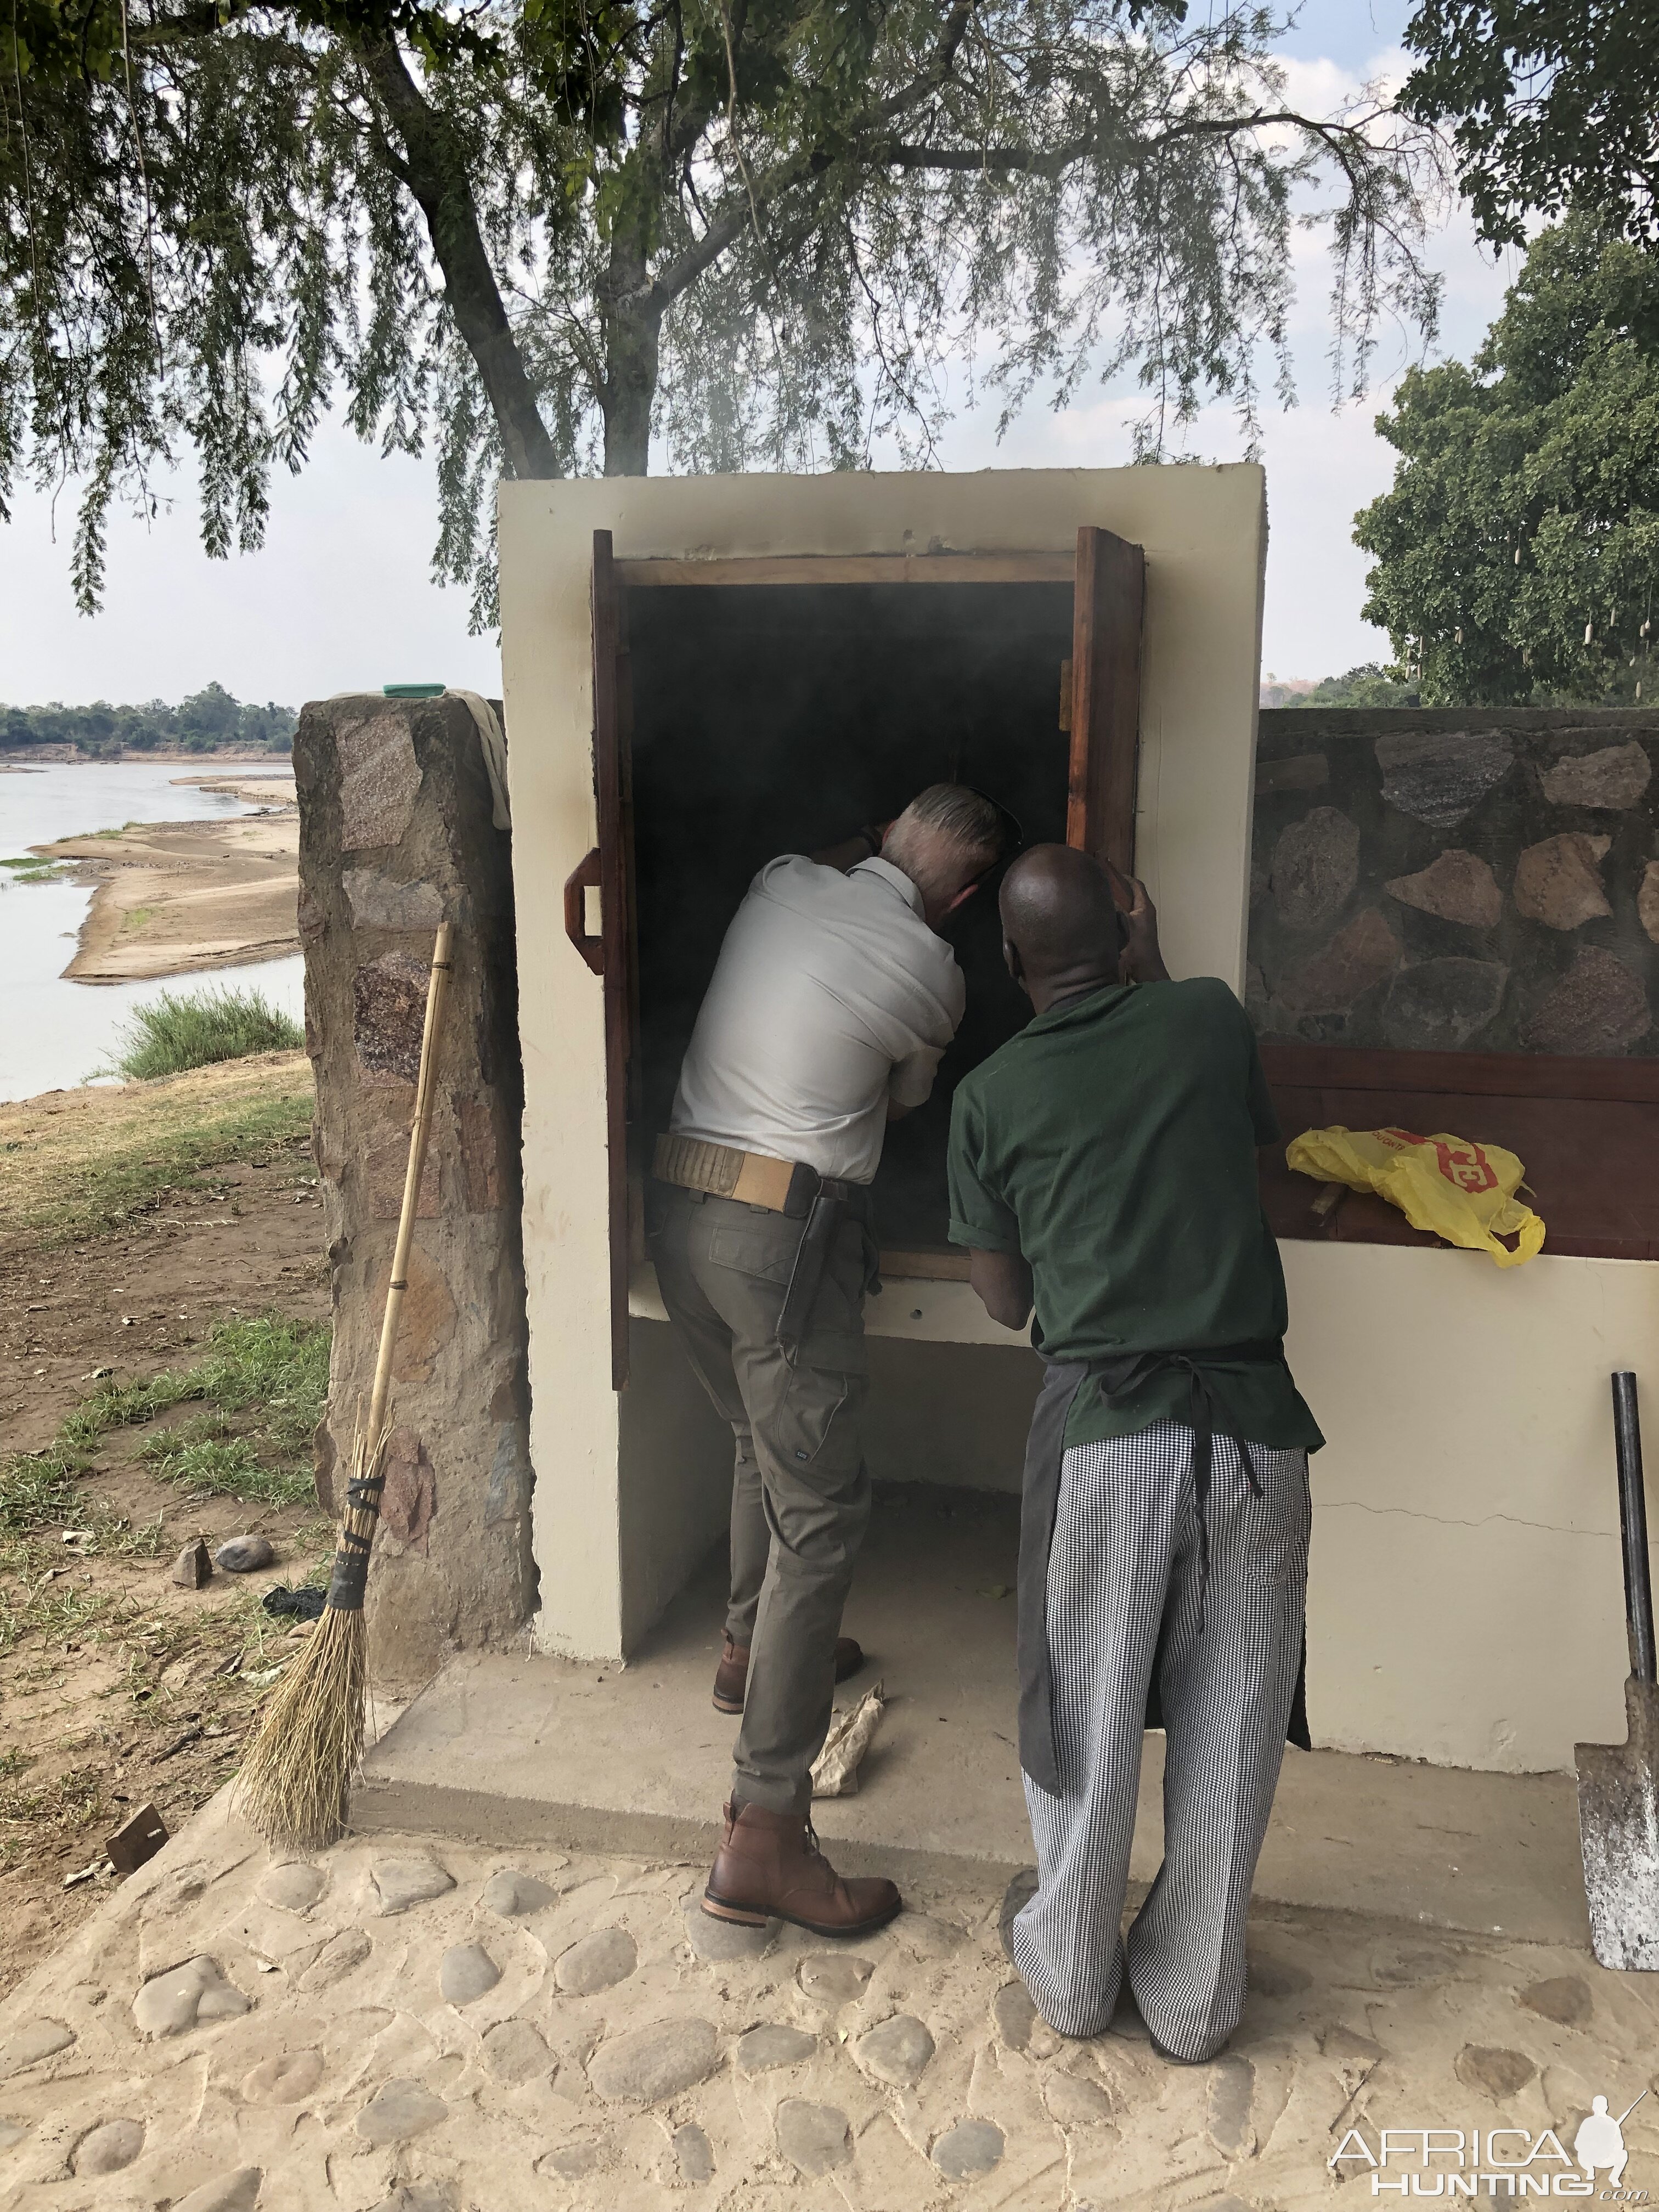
632 328
436 173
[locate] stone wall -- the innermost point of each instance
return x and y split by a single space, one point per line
396 834
1443 881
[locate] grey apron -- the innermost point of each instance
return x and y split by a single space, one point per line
1045 1450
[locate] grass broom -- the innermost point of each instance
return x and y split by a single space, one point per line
295 1786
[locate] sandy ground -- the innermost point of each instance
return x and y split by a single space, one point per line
426 2025
114 1664
174 897
52 1145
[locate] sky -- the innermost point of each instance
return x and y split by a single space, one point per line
341 597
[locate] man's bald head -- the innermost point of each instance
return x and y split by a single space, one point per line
1060 926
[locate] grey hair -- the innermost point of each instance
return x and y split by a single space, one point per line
945 836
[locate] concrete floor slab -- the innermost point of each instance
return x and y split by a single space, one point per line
534 1750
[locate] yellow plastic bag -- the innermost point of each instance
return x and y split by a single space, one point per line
1461 1191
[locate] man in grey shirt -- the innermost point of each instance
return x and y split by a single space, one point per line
829 1010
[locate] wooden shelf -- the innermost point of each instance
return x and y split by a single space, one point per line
1586 1131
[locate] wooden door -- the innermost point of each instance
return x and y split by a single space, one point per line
1109 592
608 869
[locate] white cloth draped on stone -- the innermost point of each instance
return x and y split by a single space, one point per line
492 738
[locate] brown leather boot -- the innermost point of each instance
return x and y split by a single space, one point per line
732 1675
769 1866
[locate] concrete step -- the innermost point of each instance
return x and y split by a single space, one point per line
515 1749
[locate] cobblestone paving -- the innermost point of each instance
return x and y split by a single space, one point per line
406 2026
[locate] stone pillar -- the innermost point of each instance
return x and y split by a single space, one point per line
396 834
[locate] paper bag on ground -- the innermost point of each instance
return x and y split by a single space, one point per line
835 1769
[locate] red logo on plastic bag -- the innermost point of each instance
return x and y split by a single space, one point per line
1466 1166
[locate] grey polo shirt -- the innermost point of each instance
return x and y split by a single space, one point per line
830 995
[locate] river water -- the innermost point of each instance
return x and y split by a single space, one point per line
54 1034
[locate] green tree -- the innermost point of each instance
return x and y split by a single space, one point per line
1517 554
1367 685
209 717
209 720
1554 104
773 233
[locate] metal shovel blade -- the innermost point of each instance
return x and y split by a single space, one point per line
1619 1783
1619 1828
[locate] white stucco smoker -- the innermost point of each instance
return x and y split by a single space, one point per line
702 671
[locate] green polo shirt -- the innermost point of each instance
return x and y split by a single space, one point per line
1113 1143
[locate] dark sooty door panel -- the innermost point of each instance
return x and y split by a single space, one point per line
775 719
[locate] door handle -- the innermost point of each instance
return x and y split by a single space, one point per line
582 878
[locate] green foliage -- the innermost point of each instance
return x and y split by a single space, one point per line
58 41
1367 685
786 233
274 1370
270 1371
1554 105
206 722
171 1032
278 1366
204 1460
1517 554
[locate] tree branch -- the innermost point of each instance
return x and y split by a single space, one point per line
437 176
195 23
1054 161
742 209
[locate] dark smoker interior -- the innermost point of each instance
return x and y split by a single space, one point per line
772 718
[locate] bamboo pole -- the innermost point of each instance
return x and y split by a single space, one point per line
295 1783
426 1096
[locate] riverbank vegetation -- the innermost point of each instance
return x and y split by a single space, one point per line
210 720
199 1029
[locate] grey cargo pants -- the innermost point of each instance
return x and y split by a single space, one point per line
800 1492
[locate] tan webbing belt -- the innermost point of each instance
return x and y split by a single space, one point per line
752 1178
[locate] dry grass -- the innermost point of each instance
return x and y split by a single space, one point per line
76 1162
180 1686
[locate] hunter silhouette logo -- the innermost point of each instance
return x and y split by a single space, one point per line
1490 2162
1600 2141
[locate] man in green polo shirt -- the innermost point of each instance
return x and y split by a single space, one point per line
1103 1167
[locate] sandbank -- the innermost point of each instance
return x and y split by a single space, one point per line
259 787
172 897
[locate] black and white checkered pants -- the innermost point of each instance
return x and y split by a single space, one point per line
1123 1596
